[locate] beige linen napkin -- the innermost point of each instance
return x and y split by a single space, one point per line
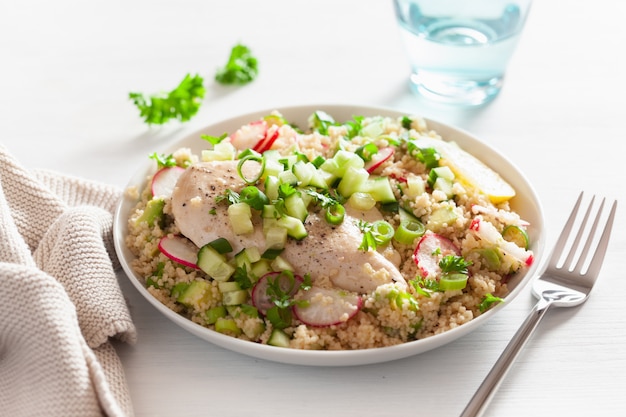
60 302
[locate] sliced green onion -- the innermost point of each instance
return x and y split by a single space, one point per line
253 197
335 214
255 158
367 151
517 235
382 231
408 231
221 245
453 281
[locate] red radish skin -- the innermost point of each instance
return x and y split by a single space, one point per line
164 181
270 137
260 297
179 249
327 307
379 158
429 251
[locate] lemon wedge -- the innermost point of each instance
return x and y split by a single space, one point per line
470 170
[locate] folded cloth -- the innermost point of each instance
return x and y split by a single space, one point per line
60 302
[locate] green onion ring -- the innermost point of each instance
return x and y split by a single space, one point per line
251 157
335 214
408 231
382 232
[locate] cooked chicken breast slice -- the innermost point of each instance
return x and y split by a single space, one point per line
327 252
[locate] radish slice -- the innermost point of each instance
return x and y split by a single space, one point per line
378 158
270 137
250 135
326 307
262 300
179 249
429 251
164 181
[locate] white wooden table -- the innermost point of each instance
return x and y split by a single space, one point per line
67 66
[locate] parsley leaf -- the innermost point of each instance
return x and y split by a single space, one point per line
214 140
232 197
241 68
163 160
181 103
453 263
487 301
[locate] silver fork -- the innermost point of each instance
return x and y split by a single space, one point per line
561 284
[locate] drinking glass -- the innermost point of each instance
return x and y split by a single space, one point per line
459 49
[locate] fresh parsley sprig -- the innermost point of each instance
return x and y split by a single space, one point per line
181 103
241 68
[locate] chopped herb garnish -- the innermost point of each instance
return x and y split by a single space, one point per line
406 122
240 276
163 161
181 103
214 140
320 121
453 263
241 67
229 196
487 301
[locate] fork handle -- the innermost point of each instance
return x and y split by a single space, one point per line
494 378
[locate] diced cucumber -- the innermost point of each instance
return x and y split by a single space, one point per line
271 187
296 207
214 313
240 216
260 268
361 201
197 293
228 286
444 185
304 171
234 298
214 264
441 217
280 264
288 177
247 257
353 181
295 227
345 160
152 213
380 189
414 186
227 326
279 338
276 237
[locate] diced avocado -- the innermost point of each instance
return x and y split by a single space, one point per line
152 213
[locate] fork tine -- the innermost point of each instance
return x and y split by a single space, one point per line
592 233
598 256
560 242
581 228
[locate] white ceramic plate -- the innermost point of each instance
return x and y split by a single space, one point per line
525 203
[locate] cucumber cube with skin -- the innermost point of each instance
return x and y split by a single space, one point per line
197 293
214 264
